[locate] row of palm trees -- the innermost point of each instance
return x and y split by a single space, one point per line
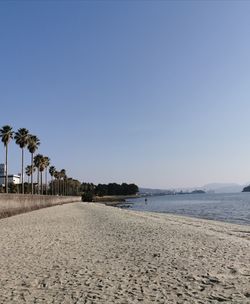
39 162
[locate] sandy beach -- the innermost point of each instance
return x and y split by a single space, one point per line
90 253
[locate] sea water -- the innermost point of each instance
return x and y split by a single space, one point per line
233 207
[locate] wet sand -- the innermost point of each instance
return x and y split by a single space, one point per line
90 253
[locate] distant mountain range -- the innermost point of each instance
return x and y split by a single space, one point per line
224 187
211 188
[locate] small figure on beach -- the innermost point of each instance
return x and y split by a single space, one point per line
146 201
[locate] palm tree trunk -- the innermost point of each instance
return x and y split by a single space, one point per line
22 174
46 177
41 174
32 191
6 168
52 185
38 184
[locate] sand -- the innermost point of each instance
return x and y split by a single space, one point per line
90 253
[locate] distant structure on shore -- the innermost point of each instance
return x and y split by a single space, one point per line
12 178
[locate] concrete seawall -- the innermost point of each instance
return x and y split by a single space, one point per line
11 204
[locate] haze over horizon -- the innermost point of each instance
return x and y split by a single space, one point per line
154 93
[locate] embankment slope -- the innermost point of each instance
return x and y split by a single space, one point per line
11 204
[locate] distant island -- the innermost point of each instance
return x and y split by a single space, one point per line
191 192
246 189
198 192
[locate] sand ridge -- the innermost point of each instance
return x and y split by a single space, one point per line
90 253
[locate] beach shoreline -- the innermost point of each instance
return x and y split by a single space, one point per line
91 253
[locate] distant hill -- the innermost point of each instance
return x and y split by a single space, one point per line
223 187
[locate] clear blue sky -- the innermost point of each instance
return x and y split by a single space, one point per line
151 92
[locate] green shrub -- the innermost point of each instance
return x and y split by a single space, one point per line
87 196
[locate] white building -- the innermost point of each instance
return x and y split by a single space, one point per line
12 178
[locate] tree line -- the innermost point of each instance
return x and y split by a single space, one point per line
116 189
40 166
59 184
91 190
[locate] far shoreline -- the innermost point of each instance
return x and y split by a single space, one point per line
226 208
114 199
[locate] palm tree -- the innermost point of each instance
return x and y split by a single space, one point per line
57 177
33 143
41 169
63 176
46 164
65 179
41 162
38 162
6 134
52 171
22 137
28 171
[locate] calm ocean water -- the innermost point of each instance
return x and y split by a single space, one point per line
233 208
